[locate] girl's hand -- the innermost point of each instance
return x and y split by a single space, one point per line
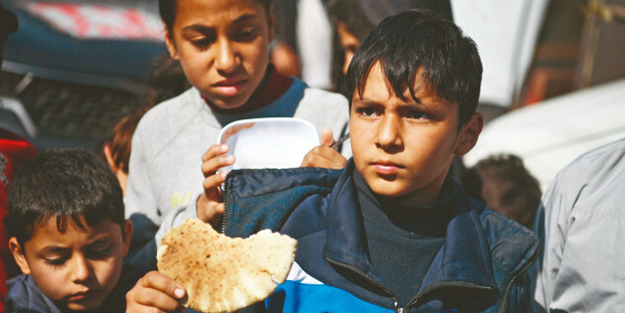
323 155
156 292
209 205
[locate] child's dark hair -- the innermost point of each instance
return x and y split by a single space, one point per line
63 183
517 193
361 16
169 8
419 39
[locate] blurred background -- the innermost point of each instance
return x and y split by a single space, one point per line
554 84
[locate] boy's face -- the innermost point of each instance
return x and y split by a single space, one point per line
404 149
76 269
223 47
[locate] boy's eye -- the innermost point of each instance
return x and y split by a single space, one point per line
367 111
99 253
416 115
56 261
245 34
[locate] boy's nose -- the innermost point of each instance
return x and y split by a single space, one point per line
226 59
389 134
81 269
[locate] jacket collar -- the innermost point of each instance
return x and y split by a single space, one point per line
465 255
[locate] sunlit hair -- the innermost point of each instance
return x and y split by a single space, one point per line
121 140
417 40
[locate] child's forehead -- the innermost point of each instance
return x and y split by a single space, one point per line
52 225
376 80
47 235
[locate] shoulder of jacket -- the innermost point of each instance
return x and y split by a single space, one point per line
26 297
514 246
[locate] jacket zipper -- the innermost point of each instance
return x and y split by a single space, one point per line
427 290
224 217
369 279
438 285
504 301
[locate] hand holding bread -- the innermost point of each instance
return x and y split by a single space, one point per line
223 274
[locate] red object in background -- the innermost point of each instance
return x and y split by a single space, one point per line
14 151
98 21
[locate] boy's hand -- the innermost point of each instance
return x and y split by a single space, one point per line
209 205
323 155
155 292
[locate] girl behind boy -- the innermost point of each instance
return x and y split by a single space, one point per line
223 47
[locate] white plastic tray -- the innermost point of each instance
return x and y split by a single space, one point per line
276 142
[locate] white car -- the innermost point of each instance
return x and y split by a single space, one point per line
550 134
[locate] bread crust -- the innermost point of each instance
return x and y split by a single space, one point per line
223 274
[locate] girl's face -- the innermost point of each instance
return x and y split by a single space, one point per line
223 47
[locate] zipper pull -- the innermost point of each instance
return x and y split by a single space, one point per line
398 309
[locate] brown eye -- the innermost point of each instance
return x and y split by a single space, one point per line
203 42
368 112
246 34
416 115
57 262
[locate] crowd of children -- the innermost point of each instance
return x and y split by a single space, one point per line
384 229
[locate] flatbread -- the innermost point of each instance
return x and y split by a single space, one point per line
223 274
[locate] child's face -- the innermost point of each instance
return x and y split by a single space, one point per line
405 149
76 269
349 42
223 47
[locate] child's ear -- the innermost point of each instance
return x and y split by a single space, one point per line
169 42
109 157
469 134
127 236
18 255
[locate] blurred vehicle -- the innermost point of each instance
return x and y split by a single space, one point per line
74 68
552 133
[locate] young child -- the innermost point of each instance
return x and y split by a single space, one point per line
391 232
69 235
504 184
354 19
223 48
116 149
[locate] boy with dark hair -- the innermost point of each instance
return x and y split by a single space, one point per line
504 184
390 231
69 235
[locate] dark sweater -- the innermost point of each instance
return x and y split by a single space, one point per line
402 240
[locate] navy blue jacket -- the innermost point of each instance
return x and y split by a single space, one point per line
482 266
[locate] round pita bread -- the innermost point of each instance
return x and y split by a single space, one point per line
223 274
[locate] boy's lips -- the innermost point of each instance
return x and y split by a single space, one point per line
229 88
386 168
82 295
